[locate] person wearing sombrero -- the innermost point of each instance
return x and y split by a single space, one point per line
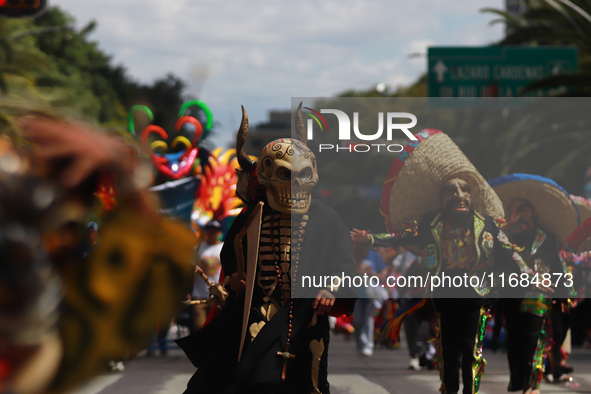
540 217
561 320
435 200
580 240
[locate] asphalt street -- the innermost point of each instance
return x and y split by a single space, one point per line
350 373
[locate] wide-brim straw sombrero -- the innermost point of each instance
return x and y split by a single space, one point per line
557 212
584 207
416 177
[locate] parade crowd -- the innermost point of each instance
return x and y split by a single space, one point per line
253 327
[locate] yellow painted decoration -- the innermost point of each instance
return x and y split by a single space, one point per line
132 282
317 349
255 328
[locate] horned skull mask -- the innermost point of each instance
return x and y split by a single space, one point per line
286 167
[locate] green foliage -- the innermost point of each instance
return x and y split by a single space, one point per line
49 61
542 145
550 22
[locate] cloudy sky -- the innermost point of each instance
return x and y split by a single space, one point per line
261 53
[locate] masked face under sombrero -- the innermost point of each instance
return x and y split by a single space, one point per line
417 176
555 211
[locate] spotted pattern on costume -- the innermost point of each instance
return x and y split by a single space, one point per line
502 237
488 243
479 361
505 241
430 255
478 225
535 305
537 372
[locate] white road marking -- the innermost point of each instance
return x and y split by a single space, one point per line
349 383
98 384
432 381
354 384
176 384
346 383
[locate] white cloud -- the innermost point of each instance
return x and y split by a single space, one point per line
261 53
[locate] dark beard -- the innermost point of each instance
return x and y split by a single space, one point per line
522 239
458 220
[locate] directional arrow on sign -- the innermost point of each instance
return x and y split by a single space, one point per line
440 70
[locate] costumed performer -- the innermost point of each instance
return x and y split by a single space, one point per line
540 217
431 182
265 340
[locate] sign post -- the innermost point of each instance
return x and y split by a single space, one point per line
495 71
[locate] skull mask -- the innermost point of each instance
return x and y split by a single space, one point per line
287 167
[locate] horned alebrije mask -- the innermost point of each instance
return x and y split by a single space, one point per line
174 154
286 167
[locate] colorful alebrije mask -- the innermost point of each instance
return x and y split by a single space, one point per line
216 196
174 155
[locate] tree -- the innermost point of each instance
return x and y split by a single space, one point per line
552 143
553 22
90 82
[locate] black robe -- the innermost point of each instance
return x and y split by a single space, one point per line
327 249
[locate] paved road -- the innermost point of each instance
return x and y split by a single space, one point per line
350 373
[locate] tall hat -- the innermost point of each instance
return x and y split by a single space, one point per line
557 213
416 177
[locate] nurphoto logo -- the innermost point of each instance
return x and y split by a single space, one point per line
393 124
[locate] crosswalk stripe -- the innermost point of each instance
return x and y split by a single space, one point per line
98 384
175 384
347 383
433 382
341 383
354 384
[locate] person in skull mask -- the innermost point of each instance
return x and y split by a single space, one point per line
272 335
431 182
540 217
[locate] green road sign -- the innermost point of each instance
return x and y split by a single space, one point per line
495 71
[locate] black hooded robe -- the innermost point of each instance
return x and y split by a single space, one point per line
327 249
